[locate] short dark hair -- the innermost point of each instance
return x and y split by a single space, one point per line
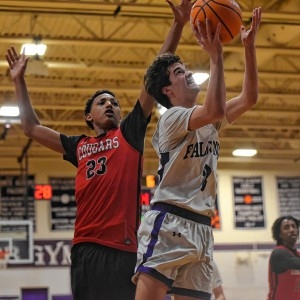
276 227
157 77
90 101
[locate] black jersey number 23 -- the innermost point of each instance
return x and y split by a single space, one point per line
96 167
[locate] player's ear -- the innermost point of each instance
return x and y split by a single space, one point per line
88 117
165 90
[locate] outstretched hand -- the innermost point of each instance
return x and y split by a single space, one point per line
248 37
209 41
17 63
182 11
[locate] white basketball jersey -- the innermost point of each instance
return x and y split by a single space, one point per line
187 162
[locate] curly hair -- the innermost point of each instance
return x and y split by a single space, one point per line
276 227
90 101
157 77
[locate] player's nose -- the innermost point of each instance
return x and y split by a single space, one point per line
108 103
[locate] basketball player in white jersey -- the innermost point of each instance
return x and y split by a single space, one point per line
175 237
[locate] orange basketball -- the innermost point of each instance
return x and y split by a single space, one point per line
226 12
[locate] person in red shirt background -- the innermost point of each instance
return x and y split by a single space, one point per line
284 262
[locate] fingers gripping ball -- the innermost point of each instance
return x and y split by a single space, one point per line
226 12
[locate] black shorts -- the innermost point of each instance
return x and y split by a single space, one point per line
101 273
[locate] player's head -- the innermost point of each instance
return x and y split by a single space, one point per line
280 229
90 101
157 77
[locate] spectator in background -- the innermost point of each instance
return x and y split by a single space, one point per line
284 263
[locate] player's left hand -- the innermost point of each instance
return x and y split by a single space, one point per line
182 11
209 41
17 63
248 37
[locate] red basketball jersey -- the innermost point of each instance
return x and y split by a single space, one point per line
108 183
285 285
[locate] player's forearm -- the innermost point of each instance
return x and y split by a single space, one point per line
172 40
27 114
216 91
250 84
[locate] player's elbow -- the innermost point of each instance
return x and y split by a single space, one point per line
29 130
251 96
252 100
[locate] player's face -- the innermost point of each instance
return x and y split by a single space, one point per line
289 232
183 84
105 112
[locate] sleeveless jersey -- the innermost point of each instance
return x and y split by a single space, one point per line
107 185
188 162
284 285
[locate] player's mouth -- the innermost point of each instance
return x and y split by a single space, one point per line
293 237
190 82
109 112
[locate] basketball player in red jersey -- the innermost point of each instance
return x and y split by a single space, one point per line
284 263
107 186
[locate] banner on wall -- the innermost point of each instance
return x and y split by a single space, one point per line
16 198
63 203
248 202
288 190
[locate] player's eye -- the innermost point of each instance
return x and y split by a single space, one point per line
179 72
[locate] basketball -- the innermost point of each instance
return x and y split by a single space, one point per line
226 12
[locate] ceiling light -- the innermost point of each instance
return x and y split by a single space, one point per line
9 111
34 49
244 152
200 77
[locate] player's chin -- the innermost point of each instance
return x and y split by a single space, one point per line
112 123
293 239
195 87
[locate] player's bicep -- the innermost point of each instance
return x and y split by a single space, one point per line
48 138
201 117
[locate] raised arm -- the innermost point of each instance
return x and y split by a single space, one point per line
214 106
29 120
249 95
181 14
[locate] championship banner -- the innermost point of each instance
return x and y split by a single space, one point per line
248 202
288 189
63 203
